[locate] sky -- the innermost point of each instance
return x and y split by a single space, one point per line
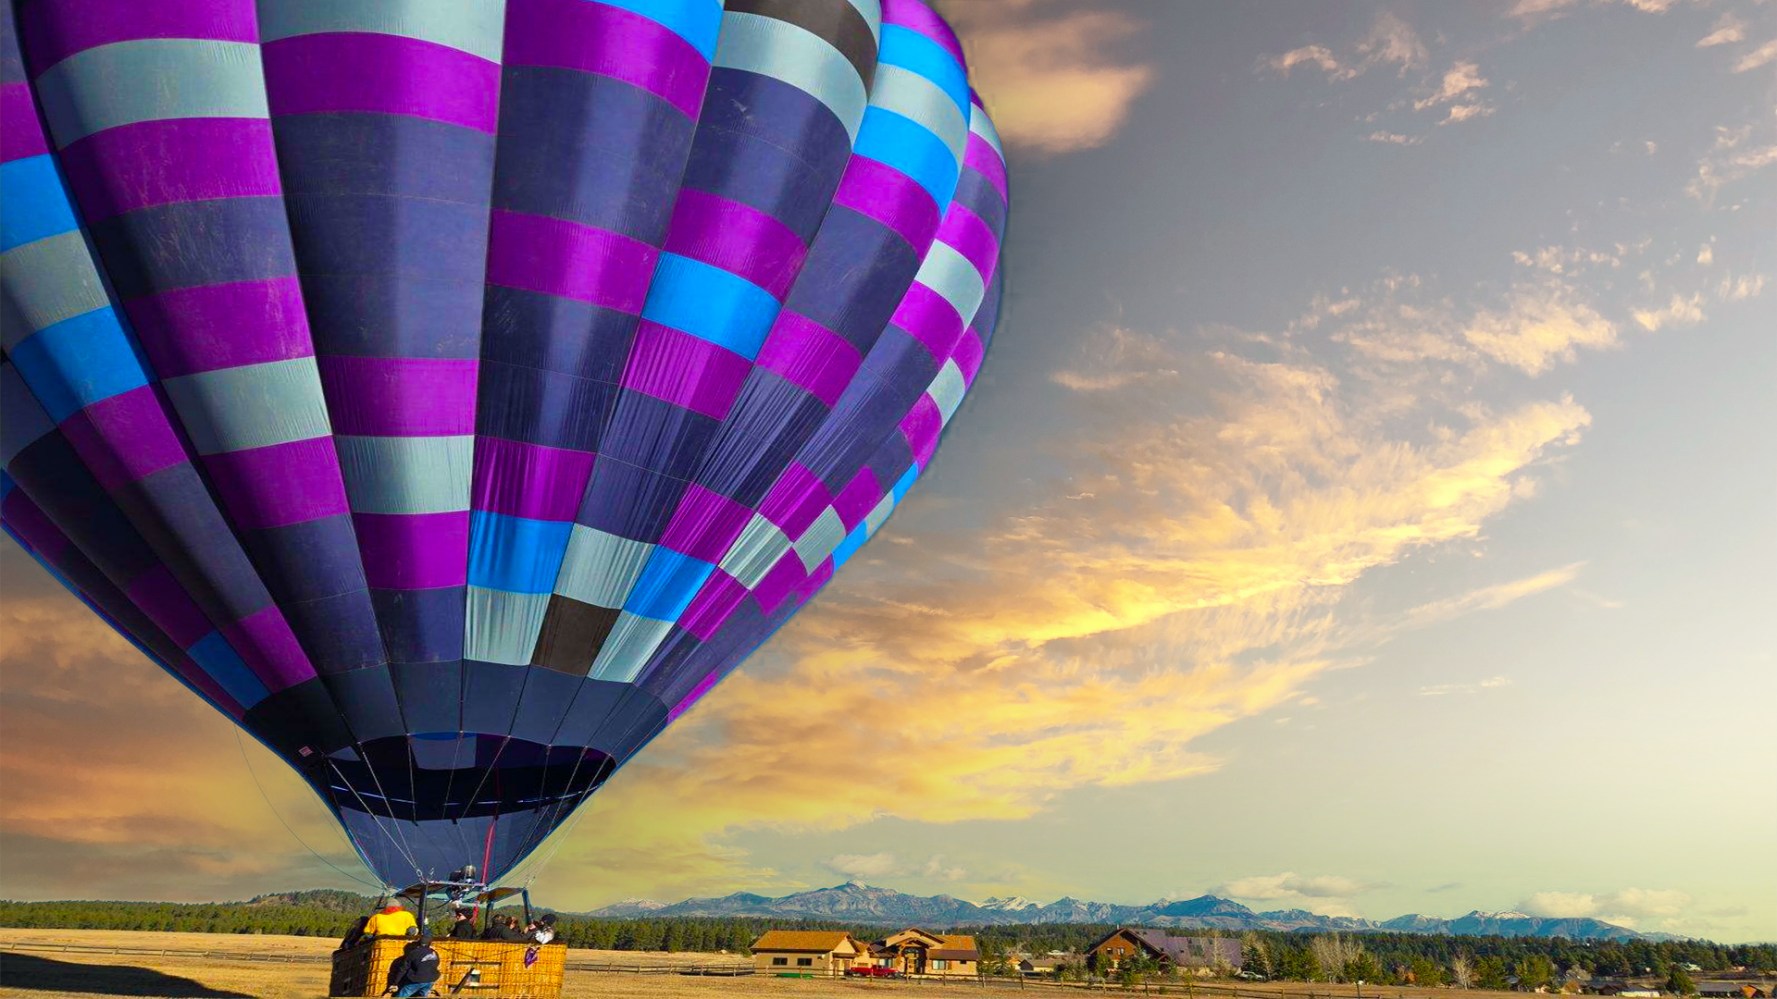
1368 505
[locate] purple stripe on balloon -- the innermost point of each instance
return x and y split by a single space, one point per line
269 648
168 605
779 582
414 551
930 318
52 32
290 483
399 396
705 524
568 260
605 40
915 15
29 521
795 500
125 438
528 480
806 590
381 74
965 233
685 370
171 160
738 238
23 135
921 426
981 157
889 196
858 498
718 598
968 354
702 688
811 356
205 328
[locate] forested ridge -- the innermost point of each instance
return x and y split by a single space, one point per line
1382 958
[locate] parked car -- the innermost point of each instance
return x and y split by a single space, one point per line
1250 976
871 971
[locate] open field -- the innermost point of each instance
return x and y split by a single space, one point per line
86 964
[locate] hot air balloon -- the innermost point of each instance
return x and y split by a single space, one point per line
452 393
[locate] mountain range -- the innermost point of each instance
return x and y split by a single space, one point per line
860 903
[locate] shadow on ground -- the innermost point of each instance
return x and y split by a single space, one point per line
27 971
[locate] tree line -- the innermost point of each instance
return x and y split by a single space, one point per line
1380 958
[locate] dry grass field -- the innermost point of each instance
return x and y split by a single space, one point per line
89 964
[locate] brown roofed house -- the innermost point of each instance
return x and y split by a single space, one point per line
806 952
914 951
1200 955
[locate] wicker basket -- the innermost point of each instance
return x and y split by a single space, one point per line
477 968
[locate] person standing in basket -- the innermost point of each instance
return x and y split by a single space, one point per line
417 968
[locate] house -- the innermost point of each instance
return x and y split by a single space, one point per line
914 951
1729 990
819 952
1618 987
1195 954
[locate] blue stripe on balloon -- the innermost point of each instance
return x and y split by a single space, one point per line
696 21
911 50
667 585
36 205
216 657
904 483
850 545
711 304
911 148
79 361
515 554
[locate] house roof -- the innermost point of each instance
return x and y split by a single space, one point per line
1180 950
816 941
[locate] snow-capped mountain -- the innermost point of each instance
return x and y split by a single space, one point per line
861 903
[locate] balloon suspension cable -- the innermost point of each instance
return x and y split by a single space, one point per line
275 814
398 841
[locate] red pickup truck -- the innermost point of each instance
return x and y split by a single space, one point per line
871 971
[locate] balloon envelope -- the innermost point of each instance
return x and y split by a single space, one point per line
451 394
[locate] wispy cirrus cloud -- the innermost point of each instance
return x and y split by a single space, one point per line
1390 43
1055 77
1728 30
1737 153
1679 311
1764 55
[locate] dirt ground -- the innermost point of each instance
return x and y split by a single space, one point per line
89 964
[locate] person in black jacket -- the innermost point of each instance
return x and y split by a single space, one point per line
464 928
415 970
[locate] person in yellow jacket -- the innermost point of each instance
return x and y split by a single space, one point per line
392 921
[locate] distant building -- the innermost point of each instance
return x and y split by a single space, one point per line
1192 954
1729 990
914 951
820 952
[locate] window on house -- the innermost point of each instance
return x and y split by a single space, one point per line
779 961
939 964
804 962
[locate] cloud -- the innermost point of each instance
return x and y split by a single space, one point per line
1318 56
1532 11
1706 255
1734 156
1395 138
1054 77
1760 56
1466 112
1728 30
1680 311
1565 260
1539 329
1290 885
1462 78
1625 907
870 865
1465 689
1492 597
1738 289
1391 41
